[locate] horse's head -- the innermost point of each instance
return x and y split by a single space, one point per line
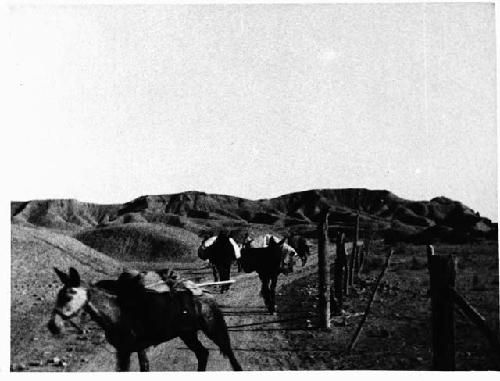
287 254
247 243
304 254
302 248
70 301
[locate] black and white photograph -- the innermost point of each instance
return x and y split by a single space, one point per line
251 187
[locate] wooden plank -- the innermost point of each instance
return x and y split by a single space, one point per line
442 279
476 318
323 274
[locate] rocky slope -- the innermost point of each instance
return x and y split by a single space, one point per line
380 211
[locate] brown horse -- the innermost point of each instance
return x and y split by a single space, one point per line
162 317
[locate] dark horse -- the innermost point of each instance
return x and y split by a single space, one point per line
268 262
221 251
301 247
158 317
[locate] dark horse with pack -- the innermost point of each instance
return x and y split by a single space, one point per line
145 309
268 262
220 251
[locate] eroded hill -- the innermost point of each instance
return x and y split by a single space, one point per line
380 211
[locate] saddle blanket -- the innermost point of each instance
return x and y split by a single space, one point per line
159 281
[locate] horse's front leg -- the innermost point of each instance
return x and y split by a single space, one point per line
225 274
215 273
261 293
143 360
272 294
123 361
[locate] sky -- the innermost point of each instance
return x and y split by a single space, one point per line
111 102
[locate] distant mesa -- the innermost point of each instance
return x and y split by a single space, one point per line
381 211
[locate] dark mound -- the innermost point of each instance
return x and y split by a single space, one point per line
142 242
129 218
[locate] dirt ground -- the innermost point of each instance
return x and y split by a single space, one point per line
396 334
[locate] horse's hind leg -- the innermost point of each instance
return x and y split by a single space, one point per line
217 332
192 342
272 294
265 292
123 361
143 361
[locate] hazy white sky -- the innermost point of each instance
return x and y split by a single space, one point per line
112 102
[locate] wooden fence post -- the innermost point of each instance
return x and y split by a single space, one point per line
338 272
323 273
367 242
345 270
361 257
442 280
356 251
350 267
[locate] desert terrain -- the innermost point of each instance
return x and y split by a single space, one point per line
153 232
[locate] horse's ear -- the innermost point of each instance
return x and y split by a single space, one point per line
74 277
62 276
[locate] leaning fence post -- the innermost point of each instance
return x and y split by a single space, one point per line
442 279
323 273
370 301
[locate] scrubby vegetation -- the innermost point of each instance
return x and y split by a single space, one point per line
142 242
